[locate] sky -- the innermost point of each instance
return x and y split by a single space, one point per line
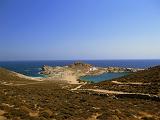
79 29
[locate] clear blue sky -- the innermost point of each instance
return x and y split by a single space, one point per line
79 29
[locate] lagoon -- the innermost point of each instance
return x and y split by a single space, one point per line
102 77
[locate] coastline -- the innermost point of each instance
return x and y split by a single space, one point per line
27 77
73 72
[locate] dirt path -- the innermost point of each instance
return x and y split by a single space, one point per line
127 94
113 92
130 83
18 84
106 91
78 87
71 79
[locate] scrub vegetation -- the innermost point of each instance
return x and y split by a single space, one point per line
56 100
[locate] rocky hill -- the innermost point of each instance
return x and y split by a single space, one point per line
80 65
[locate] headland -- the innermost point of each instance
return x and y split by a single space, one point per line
72 73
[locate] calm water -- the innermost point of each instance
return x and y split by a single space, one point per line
102 77
32 68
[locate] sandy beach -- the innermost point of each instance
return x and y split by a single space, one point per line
27 77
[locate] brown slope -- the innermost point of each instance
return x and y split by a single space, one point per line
147 81
51 100
7 76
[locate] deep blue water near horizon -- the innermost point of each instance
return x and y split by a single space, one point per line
32 68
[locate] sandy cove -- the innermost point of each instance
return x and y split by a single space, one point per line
68 77
27 77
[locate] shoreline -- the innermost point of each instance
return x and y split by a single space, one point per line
73 72
27 77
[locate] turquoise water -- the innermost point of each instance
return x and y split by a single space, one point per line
102 77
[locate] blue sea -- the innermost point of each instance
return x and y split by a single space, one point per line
32 68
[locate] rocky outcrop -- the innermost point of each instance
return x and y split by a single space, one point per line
80 65
47 70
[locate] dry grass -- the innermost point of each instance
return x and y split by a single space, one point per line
55 100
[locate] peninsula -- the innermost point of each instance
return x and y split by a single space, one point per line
73 72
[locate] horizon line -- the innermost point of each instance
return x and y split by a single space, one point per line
74 60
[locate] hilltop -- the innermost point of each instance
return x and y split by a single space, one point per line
25 98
